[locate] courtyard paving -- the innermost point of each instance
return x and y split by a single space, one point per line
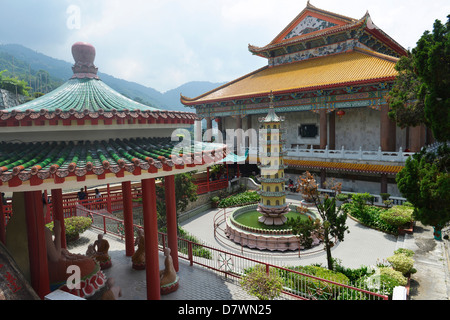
362 246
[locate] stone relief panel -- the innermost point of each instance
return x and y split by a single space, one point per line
308 25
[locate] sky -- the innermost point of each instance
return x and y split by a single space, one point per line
163 44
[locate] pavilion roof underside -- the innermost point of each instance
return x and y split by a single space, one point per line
340 70
39 161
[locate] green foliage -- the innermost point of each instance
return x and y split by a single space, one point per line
367 214
406 109
425 182
247 197
354 275
304 229
185 192
311 287
74 226
402 262
407 252
396 277
197 250
420 93
262 284
13 85
397 216
432 64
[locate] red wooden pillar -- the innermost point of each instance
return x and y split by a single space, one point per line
58 213
171 214
108 198
2 222
151 239
128 218
37 249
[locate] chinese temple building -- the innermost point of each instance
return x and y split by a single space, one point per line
273 206
85 134
329 75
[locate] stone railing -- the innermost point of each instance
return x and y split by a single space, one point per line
343 154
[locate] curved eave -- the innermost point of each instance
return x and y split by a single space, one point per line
351 68
14 118
33 166
344 167
194 102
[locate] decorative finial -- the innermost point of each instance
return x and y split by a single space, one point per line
84 55
271 97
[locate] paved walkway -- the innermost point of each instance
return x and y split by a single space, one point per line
362 246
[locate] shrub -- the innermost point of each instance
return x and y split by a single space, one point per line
397 216
401 262
261 284
74 226
395 275
310 287
407 252
247 197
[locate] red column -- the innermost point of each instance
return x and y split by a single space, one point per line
151 239
128 218
36 243
171 214
58 213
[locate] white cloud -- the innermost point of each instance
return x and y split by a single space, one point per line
165 43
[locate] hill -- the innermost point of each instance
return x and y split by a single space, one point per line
45 73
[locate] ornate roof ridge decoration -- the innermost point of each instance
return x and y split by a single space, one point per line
342 24
85 114
84 56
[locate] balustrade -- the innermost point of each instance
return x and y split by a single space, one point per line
344 154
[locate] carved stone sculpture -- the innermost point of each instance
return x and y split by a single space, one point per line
138 258
168 276
101 247
60 261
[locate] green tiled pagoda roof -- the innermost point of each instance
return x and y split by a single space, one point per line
25 160
78 95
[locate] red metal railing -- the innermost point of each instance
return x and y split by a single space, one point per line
210 186
298 285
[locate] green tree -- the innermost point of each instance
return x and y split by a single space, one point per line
421 95
333 218
432 62
185 192
425 182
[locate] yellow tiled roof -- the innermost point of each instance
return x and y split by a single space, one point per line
355 167
331 71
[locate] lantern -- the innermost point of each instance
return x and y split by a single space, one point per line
340 113
217 120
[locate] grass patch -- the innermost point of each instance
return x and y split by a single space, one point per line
250 219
